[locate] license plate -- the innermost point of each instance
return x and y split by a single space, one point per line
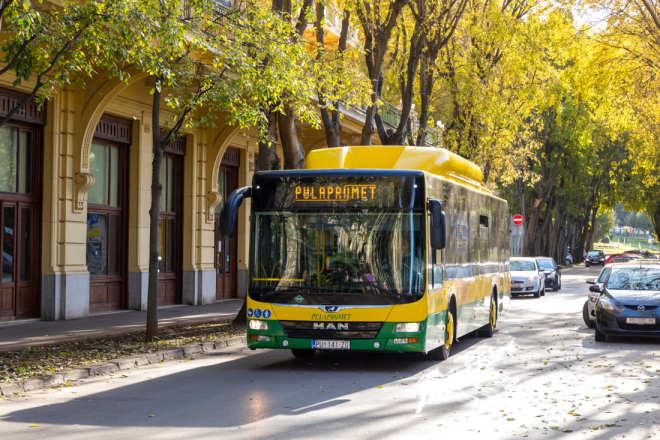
331 345
640 321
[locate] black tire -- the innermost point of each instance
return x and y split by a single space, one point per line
585 315
598 335
543 292
537 294
303 353
559 285
586 264
488 330
443 352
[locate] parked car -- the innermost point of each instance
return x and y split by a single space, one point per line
628 301
569 258
551 273
595 258
620 258
526 277
589 309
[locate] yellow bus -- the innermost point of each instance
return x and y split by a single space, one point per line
373 248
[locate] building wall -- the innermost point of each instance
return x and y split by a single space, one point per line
72 116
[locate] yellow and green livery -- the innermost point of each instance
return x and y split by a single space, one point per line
373 248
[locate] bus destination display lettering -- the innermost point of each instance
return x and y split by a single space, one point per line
334 193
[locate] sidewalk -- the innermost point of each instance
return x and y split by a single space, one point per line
16 335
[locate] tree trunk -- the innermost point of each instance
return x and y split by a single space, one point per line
154 217
294 154
590 231
331 126
655 222
268 159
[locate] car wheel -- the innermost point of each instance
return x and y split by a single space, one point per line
585 315
598 335
442 353
537 294
586 264
559 285
543 292
303 353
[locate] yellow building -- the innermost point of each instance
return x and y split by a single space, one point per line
75 191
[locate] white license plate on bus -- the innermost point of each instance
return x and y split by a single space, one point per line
640 321
331 345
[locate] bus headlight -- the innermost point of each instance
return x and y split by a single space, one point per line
408 327
258 325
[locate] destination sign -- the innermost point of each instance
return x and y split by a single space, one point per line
331 189
314 193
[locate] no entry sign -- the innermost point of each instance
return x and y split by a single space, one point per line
517 219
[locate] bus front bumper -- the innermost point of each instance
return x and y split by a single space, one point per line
378 344
386 340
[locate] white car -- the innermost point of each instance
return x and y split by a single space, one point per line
569 258
525 277
589 308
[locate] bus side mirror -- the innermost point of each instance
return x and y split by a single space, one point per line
438 225
229 212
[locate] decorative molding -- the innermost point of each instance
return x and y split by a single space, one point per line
213 199
83 183
147 128
30 112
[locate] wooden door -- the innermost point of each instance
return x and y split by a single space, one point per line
170 230
107 216
20 184
226 250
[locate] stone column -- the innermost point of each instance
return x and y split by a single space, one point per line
65 279
138 222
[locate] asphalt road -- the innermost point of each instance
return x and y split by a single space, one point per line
542 374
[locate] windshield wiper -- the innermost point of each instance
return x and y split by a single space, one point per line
291 289
374 284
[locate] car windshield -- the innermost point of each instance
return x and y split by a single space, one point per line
374 252
546 263
603 275
634 279
517 266
593 254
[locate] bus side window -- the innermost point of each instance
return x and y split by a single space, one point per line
437 269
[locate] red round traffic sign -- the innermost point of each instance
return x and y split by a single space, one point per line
517 219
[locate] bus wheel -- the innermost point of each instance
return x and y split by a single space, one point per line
488 330
442 353
302 353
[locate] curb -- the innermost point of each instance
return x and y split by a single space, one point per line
85 371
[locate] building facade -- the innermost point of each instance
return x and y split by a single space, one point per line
75 192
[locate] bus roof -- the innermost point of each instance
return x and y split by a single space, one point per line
436 161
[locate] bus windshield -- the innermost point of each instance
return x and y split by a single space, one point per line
322 257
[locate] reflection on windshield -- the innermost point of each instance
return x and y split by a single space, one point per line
634 279
545 264
593 254
344 252
522 265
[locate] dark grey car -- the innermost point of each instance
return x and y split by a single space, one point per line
628 301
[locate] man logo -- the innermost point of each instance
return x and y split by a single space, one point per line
330 326
330 309
641 308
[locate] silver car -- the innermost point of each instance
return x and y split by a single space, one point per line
525 278
589 308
